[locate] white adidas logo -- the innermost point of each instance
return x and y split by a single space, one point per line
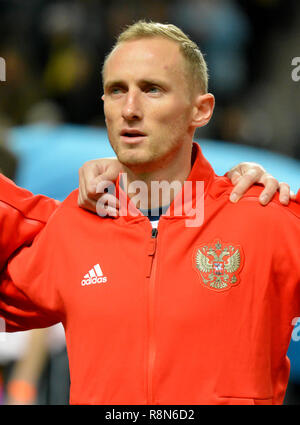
94 275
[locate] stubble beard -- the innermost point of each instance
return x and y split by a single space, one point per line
147 158
137 158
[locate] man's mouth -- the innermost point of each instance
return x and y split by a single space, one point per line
132 136
132 133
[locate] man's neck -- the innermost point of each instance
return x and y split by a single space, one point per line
159 186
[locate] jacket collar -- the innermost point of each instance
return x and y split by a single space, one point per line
187 202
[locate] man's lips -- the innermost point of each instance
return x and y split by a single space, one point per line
132 136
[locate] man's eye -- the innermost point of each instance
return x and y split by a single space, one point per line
153 89
115 90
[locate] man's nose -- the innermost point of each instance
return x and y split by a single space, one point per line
132 109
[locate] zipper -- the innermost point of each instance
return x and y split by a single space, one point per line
151 298
151 251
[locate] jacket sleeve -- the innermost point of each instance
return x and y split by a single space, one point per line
18 312
22 216
30 285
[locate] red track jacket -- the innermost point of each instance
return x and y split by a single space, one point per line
192 315
22 216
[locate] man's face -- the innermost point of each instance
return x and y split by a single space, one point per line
147 103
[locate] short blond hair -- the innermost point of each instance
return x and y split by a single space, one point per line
196 66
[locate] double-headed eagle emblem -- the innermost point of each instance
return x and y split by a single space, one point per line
219 264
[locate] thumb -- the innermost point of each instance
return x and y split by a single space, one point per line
105 184
98 184
110 172
108 175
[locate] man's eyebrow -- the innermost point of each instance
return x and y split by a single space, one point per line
113 83
143 82
153 81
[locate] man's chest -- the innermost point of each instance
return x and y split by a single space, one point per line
181 275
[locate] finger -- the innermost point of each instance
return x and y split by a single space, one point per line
91 187
271 187
267 195
89 205
107 191
234 176
105 206
284 193
104 185
110 200
79 188
243 185
246 167
97 186
82 186
88 172
293 195
108 169
104 211
83 196
112 170
79 200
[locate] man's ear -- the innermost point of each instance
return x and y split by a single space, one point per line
203 109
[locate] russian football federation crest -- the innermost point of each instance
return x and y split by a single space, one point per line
219 264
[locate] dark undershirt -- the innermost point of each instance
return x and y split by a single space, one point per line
155 213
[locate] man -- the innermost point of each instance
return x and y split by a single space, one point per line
177 314
22 385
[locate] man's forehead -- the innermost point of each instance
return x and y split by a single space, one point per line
148 45
144 53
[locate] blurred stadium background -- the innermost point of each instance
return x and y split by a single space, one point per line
51 116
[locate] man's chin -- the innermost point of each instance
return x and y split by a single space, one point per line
138 163
133 162
129 157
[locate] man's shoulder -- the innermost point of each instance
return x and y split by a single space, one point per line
222 188
71 200
275 207
69 214
22 201
68 208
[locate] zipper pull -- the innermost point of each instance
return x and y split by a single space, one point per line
151 250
